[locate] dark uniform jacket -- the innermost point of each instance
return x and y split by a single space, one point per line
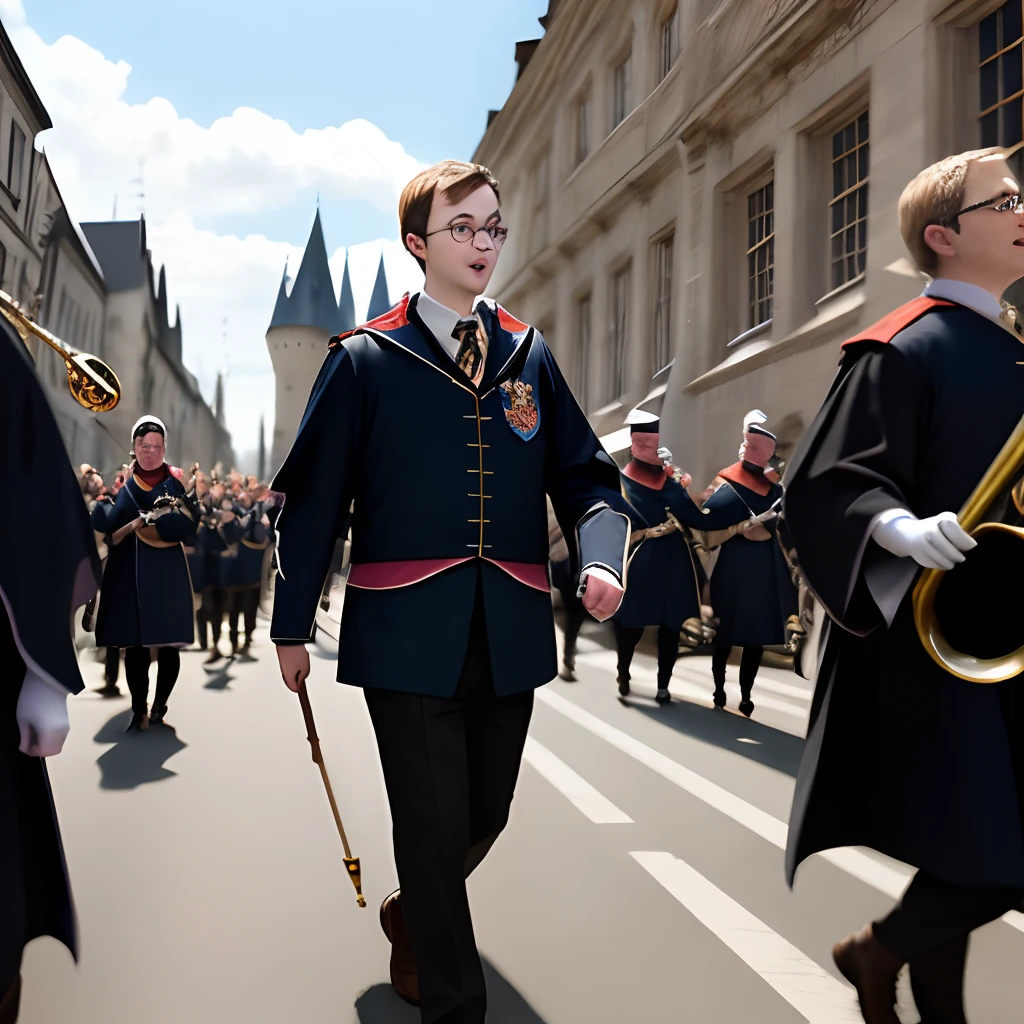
44 576
902 756
449 484
146 599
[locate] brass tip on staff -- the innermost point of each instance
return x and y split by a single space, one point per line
351 863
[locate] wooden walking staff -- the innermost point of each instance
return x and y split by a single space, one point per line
351 863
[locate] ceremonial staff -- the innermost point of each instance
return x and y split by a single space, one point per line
351 863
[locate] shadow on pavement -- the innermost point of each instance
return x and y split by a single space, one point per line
772 747
218 675
136 758
380 1005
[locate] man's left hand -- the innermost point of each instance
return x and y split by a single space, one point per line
601 597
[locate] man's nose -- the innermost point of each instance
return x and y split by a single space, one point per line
488 241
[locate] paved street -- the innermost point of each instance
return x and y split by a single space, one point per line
640 878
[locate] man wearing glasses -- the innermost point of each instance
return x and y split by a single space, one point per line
903 756
447 623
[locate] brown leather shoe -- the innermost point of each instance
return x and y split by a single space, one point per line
10 1002
404 976
872 970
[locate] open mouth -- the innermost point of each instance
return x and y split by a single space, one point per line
483 266
1019 242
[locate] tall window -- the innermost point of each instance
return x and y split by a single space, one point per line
669 42
582 130
849 205
620 93
1001 89
761 253
618 333
662 353
16 159
582 351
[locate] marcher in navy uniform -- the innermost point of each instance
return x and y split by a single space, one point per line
574 614
447 622
146 598
243 572
198 559
903 756
42 583
663 585
752 592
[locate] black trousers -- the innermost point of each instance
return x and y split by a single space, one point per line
112 665
573 611
211 613
930 930
242 605
450 767
750 662
136 669
626 639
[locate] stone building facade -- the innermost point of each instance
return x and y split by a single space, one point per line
687 190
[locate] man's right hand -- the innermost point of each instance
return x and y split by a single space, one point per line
294 662
937 542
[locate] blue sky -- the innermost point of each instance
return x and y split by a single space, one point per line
425 73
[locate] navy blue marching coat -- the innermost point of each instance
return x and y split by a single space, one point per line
663 582
752 592
449 484
146 597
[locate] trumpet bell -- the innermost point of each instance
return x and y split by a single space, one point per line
92 382
968 619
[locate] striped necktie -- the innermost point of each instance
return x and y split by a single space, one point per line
472 354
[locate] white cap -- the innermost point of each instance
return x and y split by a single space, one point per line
638 416
149 419
754 416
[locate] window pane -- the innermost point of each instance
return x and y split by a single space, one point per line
990 129
850 240
837 145
850 137
837 218
1010 62
862 235
769 223
837 179
989 84
862 163
862 262
1011 22
864 201
862 127
987 37
851 169
1011 123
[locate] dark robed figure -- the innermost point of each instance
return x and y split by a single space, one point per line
41 584
901 755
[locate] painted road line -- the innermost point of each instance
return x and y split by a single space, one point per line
879 875
597 807
810 990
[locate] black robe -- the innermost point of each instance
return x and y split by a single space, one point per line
45 574
901 756
752 593
146 599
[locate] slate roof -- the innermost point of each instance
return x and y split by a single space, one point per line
311 302
120 248
379 301
346 304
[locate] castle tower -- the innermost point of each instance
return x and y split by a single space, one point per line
379 301
303 321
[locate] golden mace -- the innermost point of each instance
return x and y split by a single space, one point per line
92 382
351 863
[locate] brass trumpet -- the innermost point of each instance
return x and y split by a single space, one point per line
949 623
91 381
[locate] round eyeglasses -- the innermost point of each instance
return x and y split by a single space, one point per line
463 233
1002 203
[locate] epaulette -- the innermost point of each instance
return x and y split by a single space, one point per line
898 320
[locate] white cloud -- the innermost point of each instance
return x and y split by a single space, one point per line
244 163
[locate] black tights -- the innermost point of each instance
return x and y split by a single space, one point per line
626 639
244 604
749 664
930 929
210 611
136 670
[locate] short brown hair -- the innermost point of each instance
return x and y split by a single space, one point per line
935 196
454 179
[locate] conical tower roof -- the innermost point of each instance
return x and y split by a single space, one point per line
311 302
346 304
379 301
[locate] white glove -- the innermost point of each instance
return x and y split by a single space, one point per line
42 716
664 454
937 542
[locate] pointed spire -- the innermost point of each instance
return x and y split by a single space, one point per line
281 306
311 302
218 399
379 301
161 297
346 303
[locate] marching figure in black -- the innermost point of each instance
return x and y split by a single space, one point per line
146 597
41 585
447 622
663 584
573 612
904 754
752 591
243 570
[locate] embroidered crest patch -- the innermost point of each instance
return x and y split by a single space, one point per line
521 410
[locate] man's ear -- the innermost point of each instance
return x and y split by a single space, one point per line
937 238
416 245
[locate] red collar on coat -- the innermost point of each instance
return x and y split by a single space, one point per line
737 474
898 320
644 473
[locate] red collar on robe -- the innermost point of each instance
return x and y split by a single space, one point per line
899 320
738 474
644 473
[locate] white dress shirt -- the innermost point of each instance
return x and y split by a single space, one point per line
440 320
964 294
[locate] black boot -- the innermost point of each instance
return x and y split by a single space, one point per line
156 716
623 686
719 697
746 705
